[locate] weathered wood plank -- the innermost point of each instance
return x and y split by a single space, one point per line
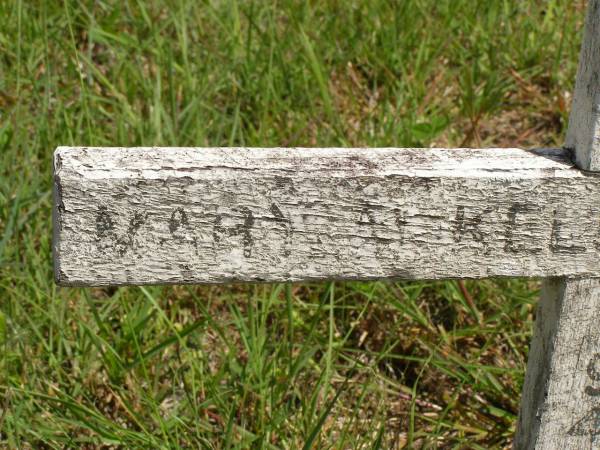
209 215
560 408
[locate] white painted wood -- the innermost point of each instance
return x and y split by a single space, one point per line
560 408
584 122
212 215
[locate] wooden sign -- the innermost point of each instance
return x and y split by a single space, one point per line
212 215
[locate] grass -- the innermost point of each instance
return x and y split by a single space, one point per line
338 365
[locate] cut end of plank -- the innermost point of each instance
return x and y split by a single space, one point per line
57 211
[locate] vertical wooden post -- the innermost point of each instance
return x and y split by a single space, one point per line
560 406
583 135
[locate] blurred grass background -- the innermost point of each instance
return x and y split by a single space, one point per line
338 365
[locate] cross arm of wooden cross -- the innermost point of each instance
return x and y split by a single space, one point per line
214 215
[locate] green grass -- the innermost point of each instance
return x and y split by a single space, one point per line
338 365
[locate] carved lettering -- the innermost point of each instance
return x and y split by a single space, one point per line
178 218
558 234
287 224
240 229
367 217
512 244
104 223
106 230
467 225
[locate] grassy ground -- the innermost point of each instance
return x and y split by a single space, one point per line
344 365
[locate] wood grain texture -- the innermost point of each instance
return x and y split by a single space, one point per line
583 134
214 215
561 396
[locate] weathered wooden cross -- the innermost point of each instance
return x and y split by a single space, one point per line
220 215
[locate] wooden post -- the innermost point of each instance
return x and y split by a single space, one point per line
560 408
